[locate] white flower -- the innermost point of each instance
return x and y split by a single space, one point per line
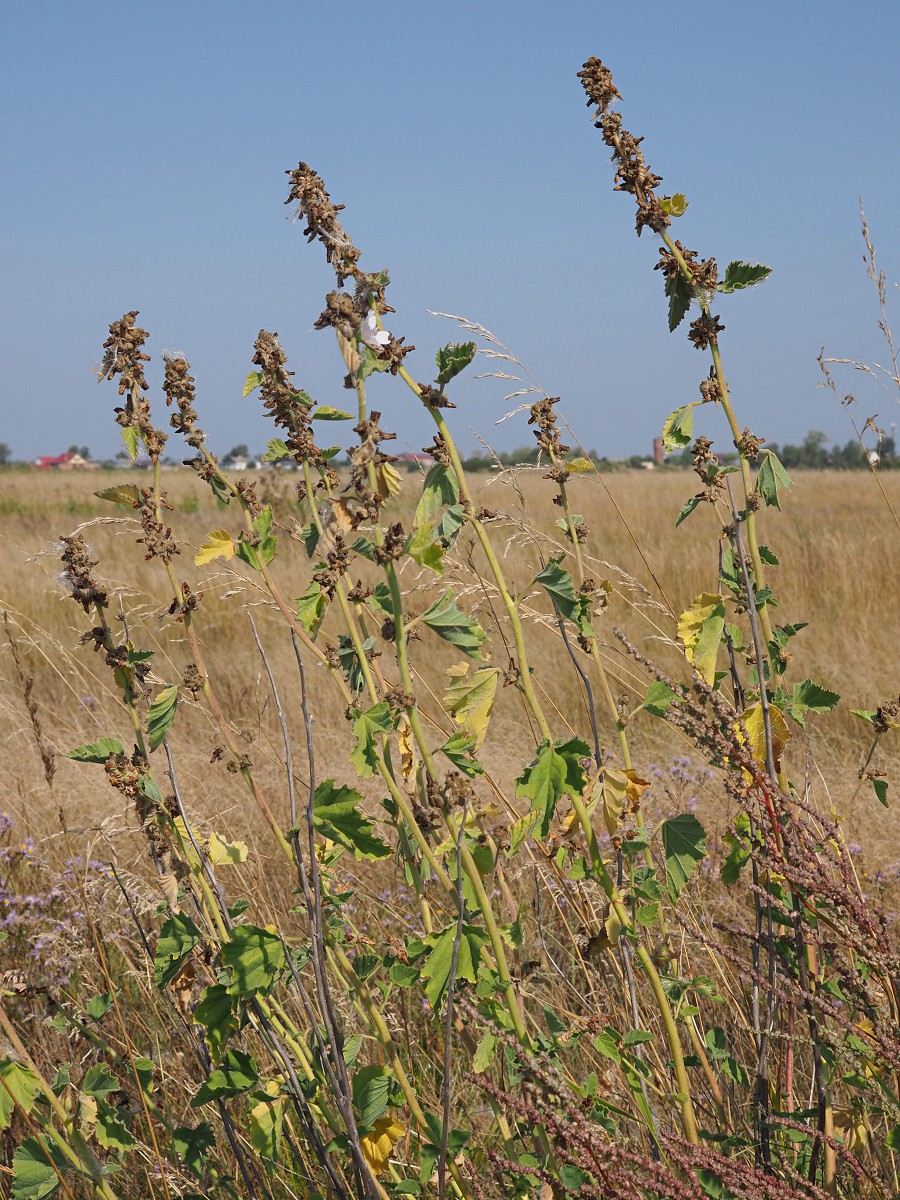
371 334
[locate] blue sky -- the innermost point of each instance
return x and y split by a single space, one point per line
146 146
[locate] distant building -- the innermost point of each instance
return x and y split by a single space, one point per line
65 462
412 459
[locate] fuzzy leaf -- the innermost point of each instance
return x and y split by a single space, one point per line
161 716
687 508
454 626
558 584
453 358
371 1091
388 480
740 275
484 1052
111 1132
222 853
684 843
469 700
336 816
771 477
123 493
700 629
97 752
218 544
881 790
678 430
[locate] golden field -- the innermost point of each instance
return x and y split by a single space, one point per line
840 572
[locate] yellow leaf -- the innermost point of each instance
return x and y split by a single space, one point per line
595 790
388 480
851 1129
217 545
187 846
380 1141
469 700
407 757
578 466
615 798
222 853
754 723
700 629
123 493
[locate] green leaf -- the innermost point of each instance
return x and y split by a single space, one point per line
215 1013
864 715
123 493
311 608
131 440
336 816
177 938
252 382
555 772
460 749
740 275
881 790
237 1074
453 358
111 1131
684 844
19 1085
678 430
370 363
366 728
738 851
371 1092
454 626
687 508
219 489
192 1145
161 716
450 524
768 556
97 752
675 206
484 1052
98 1006
771 477
892 1141
439 491
809 696
425 549
276 451
659 697
440 961
680 296
256 958
349 660
34 1174
700 629
558 584
326 412
99 1081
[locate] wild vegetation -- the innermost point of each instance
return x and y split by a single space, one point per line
378 835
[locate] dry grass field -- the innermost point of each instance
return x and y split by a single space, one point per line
843 576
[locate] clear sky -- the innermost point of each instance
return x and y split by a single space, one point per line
145 148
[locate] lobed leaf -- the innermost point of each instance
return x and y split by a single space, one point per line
454 626
218 544
700 630
684 844
336 815
97 752
161 716
453 358
740 275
